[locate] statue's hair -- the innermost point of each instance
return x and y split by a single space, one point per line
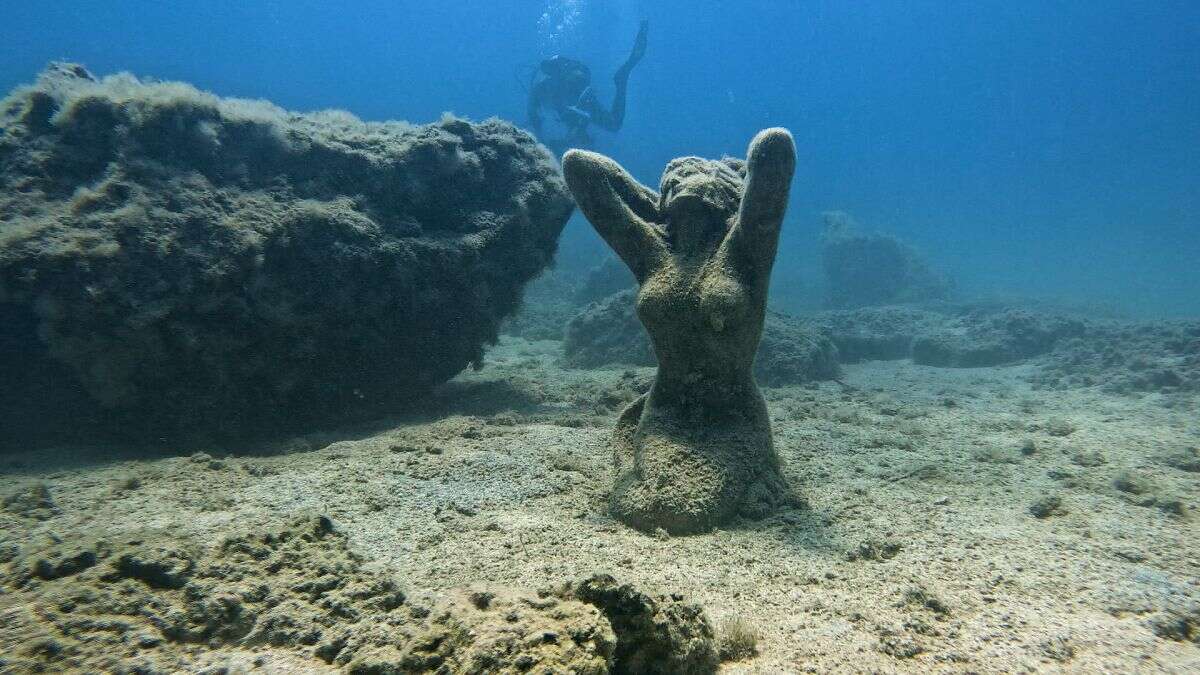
725 184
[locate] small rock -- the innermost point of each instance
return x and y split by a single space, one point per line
34 502
1172 505
1058 649
1090 458
1131 483
1047 506
994 456
1184 459
1059 427
874 550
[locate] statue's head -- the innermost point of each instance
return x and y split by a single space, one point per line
699 197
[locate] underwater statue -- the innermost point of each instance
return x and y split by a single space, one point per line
696 450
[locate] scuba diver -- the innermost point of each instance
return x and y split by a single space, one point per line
565 90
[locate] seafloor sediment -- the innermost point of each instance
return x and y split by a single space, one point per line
957 519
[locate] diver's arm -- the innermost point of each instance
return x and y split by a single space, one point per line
621 209
770 162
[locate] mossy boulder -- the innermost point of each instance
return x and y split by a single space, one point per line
192 262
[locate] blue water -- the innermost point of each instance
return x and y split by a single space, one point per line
1034 148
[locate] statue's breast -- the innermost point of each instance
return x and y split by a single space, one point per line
710 301
724 302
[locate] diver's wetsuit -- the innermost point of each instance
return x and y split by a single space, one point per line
565 89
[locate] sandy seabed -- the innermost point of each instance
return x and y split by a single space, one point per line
957 520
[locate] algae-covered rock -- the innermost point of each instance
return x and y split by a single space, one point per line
877 333
607 332
662 635
992 339
609 277
1127 357
196 262
149 602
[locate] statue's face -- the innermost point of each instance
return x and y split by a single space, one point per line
698 197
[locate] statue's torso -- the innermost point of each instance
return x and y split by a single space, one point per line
703 318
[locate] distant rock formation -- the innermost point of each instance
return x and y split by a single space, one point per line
867 269
948 336
1067 350
191 262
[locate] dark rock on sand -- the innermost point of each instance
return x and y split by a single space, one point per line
189 262
985 339
1047 506
660 634
1127 357
33 501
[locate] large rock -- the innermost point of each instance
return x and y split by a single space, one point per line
948 336
877 333
980 339
864 269
197 262
609 277
608 332
1127 357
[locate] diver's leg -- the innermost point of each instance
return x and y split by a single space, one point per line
614 117
639 50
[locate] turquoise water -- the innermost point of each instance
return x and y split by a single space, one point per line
1044 149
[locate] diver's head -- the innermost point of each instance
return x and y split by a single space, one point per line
699 198
566 70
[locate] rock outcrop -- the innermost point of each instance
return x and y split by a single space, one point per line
864 269
296 593
192 262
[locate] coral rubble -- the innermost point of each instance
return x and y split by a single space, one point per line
148 602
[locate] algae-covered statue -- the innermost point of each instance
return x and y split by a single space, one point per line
696 450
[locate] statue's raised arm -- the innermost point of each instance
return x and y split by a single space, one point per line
770 162
621 209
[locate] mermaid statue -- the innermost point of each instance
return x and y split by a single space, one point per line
695 451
